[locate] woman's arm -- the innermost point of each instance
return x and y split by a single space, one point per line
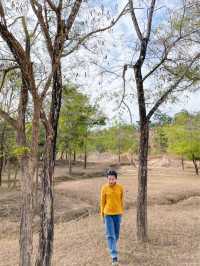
122 198
102 201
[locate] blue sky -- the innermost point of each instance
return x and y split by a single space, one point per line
117 54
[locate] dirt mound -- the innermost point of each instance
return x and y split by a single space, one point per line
164 162
102 157
192 201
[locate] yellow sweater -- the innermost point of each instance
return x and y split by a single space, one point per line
111 199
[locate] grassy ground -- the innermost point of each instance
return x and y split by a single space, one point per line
173 214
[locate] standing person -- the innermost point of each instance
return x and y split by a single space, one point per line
111 203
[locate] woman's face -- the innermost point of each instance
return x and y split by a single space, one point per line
112 180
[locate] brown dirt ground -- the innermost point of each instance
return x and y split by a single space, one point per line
173 213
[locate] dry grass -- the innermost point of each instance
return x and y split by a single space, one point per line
174 223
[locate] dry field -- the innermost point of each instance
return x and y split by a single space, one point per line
173 213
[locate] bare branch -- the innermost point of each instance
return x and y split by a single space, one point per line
28 46
149 23
129 111
166 52
6 71
134 19
48 83
15 20
124 84
171 89
182 19
84 38
46 16
52 6
155 68
13 44
46 123
105 70
37 8
72 16
35 29
60 5
2 13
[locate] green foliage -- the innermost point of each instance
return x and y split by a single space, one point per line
42 137
77 117
191 74
18 151
160 139
121 138
8 139
184 136
161 119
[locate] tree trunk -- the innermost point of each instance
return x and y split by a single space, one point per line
26 234
74 156
132 160
46 209
70 162
195 165
26 182
119 147
9 173
1 169
142 234
62 156
27 166
182 163
46 234
15 177
85 152
2 153
142 185
36 184
119 156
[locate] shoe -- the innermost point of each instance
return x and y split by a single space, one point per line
114 261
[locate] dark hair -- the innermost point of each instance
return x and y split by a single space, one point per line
112 172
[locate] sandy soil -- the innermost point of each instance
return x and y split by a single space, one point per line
173 213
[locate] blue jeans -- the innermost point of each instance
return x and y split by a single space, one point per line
112 226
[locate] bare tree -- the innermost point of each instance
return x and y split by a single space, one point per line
169 44
56 30
57 49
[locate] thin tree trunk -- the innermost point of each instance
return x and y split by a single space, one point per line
27 166
26 233
74 156
9 173
142 185
195 165
85 152
46 209
36 184
182 163
15 176
46 234
26 182
2 153
1 169
119 147
119 155
70 162
62 155
132 160
142 233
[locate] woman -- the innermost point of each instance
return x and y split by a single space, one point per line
112 195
